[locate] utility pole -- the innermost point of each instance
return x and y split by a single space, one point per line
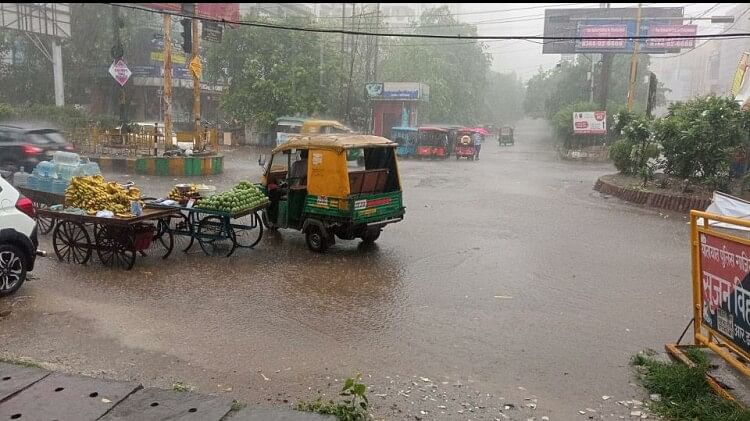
634 60
117 53
591 79
353 53
57 72
343 61
606 69
375 58
196 79
167 80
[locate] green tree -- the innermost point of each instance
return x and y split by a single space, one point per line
274 72
699 137
456 71
548 91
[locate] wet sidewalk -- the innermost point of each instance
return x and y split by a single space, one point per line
28 393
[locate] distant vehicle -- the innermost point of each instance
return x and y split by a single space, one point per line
286 126
18 238
432 142
465 146
25 145
313 126
406 138
505 136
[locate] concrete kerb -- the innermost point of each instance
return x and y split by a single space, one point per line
666 201
34 393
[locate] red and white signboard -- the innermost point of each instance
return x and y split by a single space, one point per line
590 122
119 70
671 30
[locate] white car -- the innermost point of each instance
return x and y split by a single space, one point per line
18 238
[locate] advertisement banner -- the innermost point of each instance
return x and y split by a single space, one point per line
725 288
591 122
603 31
671 30
739 75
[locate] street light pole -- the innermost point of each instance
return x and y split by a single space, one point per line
634 60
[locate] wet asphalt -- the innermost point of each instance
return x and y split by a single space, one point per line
511 290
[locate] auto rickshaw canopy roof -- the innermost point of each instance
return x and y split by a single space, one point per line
324 123
334 142
432 129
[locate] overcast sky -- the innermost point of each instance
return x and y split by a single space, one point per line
525 57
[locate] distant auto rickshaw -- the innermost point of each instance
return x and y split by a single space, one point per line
286 126
314 189
406 138
465 146
313 126
506 136
432 142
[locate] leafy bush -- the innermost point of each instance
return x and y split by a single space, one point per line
563 125
352 408
620 154
67 118
699 137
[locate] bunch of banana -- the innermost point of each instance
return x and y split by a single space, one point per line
94 194
177 195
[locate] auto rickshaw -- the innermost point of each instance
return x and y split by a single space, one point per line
313 126
506 136
465 147
324 196
406 138
286 126
432 142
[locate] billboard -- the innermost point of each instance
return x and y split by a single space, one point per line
51 19
229 12
591 122
615 22
407 91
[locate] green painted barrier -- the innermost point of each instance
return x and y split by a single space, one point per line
162 166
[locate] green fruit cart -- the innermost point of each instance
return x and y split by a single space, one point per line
221 223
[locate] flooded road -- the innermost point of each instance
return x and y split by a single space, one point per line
510 283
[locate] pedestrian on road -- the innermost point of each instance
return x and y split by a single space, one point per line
477 144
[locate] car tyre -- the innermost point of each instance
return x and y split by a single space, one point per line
13 264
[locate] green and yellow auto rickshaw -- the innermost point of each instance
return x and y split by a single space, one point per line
315 189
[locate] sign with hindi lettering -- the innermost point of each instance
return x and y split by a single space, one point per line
725 288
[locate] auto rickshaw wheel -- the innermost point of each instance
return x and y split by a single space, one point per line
371 236
315 239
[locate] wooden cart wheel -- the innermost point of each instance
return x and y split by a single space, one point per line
46 224
116 246
248 230
163 238
215 237
71 242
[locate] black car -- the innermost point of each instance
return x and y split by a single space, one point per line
24 145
